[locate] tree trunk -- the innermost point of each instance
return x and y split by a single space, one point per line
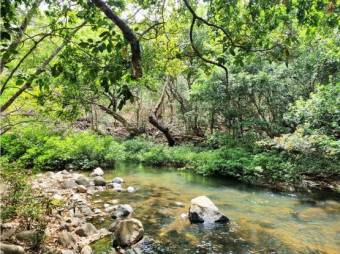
133 131
155 115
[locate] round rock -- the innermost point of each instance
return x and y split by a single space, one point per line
203 210
128 232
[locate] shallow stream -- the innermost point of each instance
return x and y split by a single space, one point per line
262 221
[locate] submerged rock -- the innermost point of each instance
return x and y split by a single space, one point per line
131 189
203 210
127 233
120 211
97 172
11 249
312 213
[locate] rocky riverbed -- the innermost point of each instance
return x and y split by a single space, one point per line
69 228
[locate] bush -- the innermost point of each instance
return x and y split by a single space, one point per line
21 202
15 145
52 151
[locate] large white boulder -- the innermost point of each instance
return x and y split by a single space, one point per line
97 172
203 210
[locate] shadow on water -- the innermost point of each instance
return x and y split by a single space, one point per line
262 221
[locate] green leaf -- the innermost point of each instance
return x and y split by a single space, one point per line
19 82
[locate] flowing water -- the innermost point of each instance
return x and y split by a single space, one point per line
262 221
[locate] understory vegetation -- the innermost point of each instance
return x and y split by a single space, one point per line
257 162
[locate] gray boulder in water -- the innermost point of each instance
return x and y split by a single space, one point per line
203 210
127 233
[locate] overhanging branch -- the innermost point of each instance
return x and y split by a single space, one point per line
128 35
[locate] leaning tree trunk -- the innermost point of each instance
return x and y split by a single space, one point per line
154 119
133 131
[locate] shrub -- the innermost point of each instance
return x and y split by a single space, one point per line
82 150
21 202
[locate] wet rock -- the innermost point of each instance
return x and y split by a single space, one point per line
11 249
66 239
86 230
121 211
99 181
127 233
81 189
28 235
82 180
86 250
118 180
203 210
130 189
97 172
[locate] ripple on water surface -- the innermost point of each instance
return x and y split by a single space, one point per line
262 221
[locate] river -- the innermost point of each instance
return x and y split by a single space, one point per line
262 221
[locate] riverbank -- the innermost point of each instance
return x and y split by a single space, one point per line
62 224
251 162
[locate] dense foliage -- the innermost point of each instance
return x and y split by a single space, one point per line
220 155
251 88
